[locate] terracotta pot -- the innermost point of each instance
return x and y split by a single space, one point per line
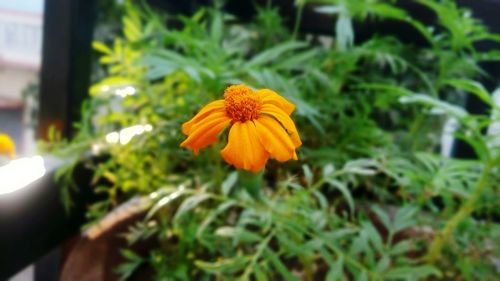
95 254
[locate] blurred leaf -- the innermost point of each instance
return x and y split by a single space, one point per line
190 203
308 175
414 273
345 192
133 262
278 264
228 266
274 53
229 183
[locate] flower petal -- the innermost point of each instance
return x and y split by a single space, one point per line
285 121
7 146
205 133
244 150
270 97
215 106
274 138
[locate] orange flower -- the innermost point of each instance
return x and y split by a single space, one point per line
261 127
7 146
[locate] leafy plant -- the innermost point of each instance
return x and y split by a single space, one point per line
369 198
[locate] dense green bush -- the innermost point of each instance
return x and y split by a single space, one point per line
369 199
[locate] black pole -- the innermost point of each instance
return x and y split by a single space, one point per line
33 221
66 63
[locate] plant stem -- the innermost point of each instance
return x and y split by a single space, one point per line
465 210
251 182
260 249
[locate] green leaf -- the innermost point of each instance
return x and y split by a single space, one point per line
342 187
228 266
278 264
442 106
128 268
361 167
190 204
339 233
308 174
373 236
472 87
383 217
336 271
401 247
344 32
404 218
165 201
131 29
328 170
229 182
260 275
416 272
216 29
274 53
238 234
101 47
383 263
363 276
323 202
213 215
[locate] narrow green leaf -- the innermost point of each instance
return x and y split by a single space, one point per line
416 272
190 204
229 182
278 264
101 47
342 187
308 174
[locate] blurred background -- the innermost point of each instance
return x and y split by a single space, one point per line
21 32
46 69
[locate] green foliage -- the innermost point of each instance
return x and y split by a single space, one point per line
369 198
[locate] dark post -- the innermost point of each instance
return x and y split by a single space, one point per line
66 63
33 221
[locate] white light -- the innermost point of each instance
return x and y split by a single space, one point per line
127 91
113 137
125 135
128 133
20 172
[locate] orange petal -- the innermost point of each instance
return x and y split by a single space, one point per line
215 115
215 106
205 132
244 150
271 97
285 121
274 138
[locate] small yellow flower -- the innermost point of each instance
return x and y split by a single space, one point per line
7 146
260 123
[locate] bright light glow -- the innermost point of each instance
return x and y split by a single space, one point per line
113 137
125 135
20 172
128 133
127 91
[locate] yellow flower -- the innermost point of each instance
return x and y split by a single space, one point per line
261 127
7 146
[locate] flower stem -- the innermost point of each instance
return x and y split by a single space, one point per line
251 182
465 210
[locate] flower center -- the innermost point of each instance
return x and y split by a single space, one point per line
241 103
